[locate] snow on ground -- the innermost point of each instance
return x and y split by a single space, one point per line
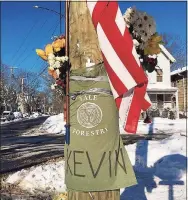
41 178
12 121
161 125
18 115
160 166
54 124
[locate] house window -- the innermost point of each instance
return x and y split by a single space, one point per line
159 76
153 98
168 98
160 100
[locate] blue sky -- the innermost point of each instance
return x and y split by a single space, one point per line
25 28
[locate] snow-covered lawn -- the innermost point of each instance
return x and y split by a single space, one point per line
161 125
42 178
160 166
55 125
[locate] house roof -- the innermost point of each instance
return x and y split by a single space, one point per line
179 70
167 53
160 87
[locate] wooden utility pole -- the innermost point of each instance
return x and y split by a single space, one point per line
83 41
22 85
22 100
67 100
12 71
83 38
104 195
11 77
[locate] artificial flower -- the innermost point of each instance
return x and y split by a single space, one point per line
51 56
48 49
152 45
53 87
58 44
57 72
57 64
135 42
53 73
51 68
41 53
51 62
58 58
127 16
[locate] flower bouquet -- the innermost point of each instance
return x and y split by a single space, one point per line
54 54
145 38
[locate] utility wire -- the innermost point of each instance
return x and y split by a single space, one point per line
27 46
58 24
24 41
60 17
27 56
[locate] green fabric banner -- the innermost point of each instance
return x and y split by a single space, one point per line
96 159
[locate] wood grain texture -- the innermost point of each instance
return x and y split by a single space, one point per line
104 195
82 32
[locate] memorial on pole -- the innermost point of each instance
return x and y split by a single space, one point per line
101 92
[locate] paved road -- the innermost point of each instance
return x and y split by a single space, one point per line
18 127
19 149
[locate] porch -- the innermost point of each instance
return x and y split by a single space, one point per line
163 97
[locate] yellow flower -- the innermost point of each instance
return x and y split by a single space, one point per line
42 54
48 49
58 44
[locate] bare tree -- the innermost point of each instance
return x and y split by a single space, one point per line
177 47
55 97
8 90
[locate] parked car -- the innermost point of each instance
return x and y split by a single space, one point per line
7 115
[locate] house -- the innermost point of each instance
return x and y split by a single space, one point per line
179 80
160 90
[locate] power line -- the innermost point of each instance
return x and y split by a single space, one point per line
37 58
60 17
27 56
43 70
27 46
24 41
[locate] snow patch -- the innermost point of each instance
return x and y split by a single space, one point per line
160 125
160 166
18 115
48 178
54 124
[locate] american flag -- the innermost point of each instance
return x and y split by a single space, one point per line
126 76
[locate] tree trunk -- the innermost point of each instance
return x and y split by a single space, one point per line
104 195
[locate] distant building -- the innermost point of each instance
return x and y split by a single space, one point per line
160 90
179 80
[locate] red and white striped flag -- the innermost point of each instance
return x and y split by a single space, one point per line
126 76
